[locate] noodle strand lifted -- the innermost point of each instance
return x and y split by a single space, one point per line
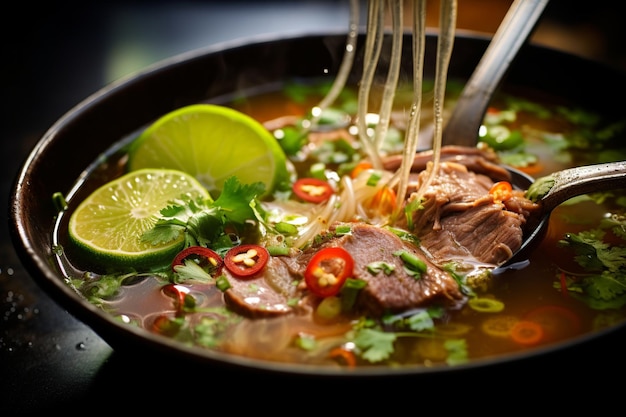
355 195
419 41
373 46
346 64
391 84
445 42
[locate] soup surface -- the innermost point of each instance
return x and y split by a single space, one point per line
574 284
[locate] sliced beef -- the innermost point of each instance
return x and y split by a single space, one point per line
478 160
266 294
397 291
460 221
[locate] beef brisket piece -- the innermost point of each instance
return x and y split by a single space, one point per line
267 294
396 292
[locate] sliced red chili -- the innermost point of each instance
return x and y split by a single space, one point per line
360 167
527 333
343 355
179 293
501 191
563 282
166 325
384 200
206 257
312 190
558 322
246 260
327 271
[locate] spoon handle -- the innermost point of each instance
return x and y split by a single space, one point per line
560 186
469 111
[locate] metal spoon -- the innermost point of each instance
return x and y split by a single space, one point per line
554 189
462 126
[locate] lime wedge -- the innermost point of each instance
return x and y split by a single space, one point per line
107 226
212 143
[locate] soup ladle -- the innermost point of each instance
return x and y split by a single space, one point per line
554 189
462 128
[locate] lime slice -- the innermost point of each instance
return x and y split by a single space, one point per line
107 226
212 143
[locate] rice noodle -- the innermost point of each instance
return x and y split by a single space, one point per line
373 45
445 42
346 63
347 205
391 83
354 195
411 137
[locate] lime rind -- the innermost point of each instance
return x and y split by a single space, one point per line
212 143
104 261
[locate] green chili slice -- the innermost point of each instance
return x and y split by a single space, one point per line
486 305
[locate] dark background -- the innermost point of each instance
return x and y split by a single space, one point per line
56 54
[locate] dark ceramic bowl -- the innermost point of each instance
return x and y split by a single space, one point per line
81 135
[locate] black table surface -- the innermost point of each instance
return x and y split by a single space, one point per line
50 361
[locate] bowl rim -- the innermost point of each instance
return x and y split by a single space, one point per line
38 264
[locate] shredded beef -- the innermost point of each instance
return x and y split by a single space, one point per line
461 221
485 233
478 160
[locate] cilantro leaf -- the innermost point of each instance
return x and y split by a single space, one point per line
375 345
163 232
203 221
540 188
104 288
190 270
594 254
605 291
420 321
606 286
235 199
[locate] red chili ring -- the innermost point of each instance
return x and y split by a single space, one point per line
316 262
240 270
323 190
199 251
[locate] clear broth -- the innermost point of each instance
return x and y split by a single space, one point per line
532 291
